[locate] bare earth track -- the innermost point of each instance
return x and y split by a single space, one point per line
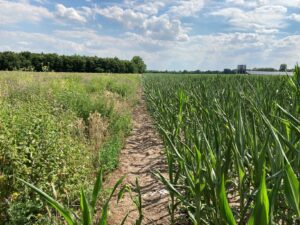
141 155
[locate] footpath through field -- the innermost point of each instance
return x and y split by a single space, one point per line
141 155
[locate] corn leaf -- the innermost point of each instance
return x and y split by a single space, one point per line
226 212
260 215
65 213
86 213
291 189
96 190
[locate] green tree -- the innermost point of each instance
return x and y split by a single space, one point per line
10 61
283 67
138 64
75 63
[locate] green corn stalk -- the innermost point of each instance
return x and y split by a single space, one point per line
260 213
138 203
225 210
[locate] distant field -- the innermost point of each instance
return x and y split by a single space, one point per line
55 132
232 146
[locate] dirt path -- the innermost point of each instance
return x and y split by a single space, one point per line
141 155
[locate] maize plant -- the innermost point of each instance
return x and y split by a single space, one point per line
88 204
232 145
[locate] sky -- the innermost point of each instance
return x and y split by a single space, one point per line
172 35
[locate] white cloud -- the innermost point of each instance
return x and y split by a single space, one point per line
186 8
258 3
92 41
238 2
265 18
15 12
86 11
69 14
286 3
295 17
128 17
41 1
36 42
150 8
164 28
222 50
214 51
242 3
148 44
157 27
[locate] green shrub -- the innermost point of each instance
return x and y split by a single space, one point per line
36 145
44 138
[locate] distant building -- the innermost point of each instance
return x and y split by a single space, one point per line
241 69
270 73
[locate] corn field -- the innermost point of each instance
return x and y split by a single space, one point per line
232 146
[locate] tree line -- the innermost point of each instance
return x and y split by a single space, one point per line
282 68
41 62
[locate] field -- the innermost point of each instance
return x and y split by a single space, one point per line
231 144
55 131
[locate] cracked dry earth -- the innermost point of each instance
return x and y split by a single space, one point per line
142 154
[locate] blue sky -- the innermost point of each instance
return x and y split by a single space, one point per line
173 35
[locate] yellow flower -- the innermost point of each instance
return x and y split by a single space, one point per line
2 179
39 216
15 195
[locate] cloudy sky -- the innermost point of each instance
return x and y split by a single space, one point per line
178 34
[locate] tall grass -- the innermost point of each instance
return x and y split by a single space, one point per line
232 146
56 130
88 203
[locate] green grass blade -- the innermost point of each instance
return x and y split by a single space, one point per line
124 219
115 188
103 219
138 203
86 213
171 143
121 193
290 116
96 190
65 213
170 187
